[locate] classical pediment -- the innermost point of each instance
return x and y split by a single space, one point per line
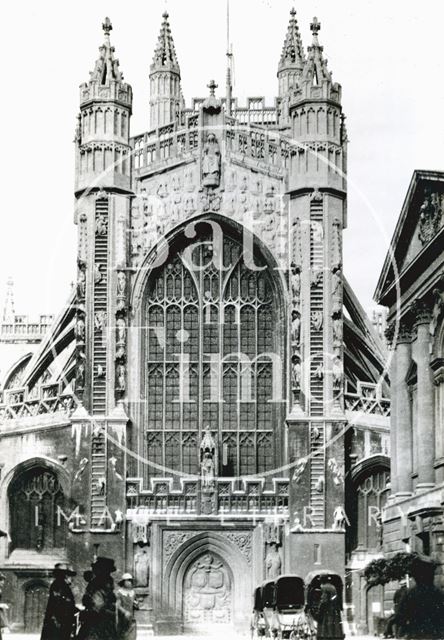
420 224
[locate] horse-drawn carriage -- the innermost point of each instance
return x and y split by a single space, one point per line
288 607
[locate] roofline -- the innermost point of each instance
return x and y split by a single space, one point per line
418 174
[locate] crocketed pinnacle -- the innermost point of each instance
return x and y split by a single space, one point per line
293 51
315 69
165 51
107 67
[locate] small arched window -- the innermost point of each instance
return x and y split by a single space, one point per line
37 510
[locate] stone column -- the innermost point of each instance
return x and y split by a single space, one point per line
404 431
425 395
393 416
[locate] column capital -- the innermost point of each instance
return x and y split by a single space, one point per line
421 311
404 334
389 334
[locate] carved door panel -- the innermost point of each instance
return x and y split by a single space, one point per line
207 592
36 598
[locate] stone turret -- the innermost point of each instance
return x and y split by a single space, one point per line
290 67
103 190
166 100
317 186
102 135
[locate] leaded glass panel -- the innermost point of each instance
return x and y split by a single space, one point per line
199 319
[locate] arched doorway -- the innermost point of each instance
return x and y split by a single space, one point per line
36 507
207 592
36 598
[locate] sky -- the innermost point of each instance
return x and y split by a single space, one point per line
386 55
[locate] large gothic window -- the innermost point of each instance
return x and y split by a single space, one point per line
206 306
37 505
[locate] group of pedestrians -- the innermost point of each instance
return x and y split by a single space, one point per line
105 613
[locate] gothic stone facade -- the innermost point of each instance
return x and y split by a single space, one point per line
206 372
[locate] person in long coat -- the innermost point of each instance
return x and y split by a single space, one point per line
3 607
59 620
329 613
126 605
98 620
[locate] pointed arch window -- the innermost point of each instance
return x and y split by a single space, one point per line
198 318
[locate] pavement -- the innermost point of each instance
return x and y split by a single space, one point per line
145 636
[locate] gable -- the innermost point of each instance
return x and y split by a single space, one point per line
420 223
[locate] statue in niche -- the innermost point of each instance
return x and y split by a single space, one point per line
338 373
207 460
81 283
80 329
121 330
273 561
295 372
121 283
295 328
121 377
337 332
295 280
211 162
141 565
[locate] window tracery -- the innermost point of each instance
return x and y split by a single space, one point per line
200 317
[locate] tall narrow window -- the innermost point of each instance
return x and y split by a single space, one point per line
211 324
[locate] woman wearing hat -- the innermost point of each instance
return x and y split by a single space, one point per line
98 620
126 604
59 621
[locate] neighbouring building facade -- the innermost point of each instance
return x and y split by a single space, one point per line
411 285
216 411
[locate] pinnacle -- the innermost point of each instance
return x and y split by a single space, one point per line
107 66
165 51
315 69
292 51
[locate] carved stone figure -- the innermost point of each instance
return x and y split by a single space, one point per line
97 273
273 562
319 371
207 470
121 377
317 231
430 216
299 469
121 283
80 376
315 277
295 280
317 320
80 329
339 518
336 280
81 283
337 332
101 225
295 328
141 566
295 373
338 373
211 162
207 460
121 330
